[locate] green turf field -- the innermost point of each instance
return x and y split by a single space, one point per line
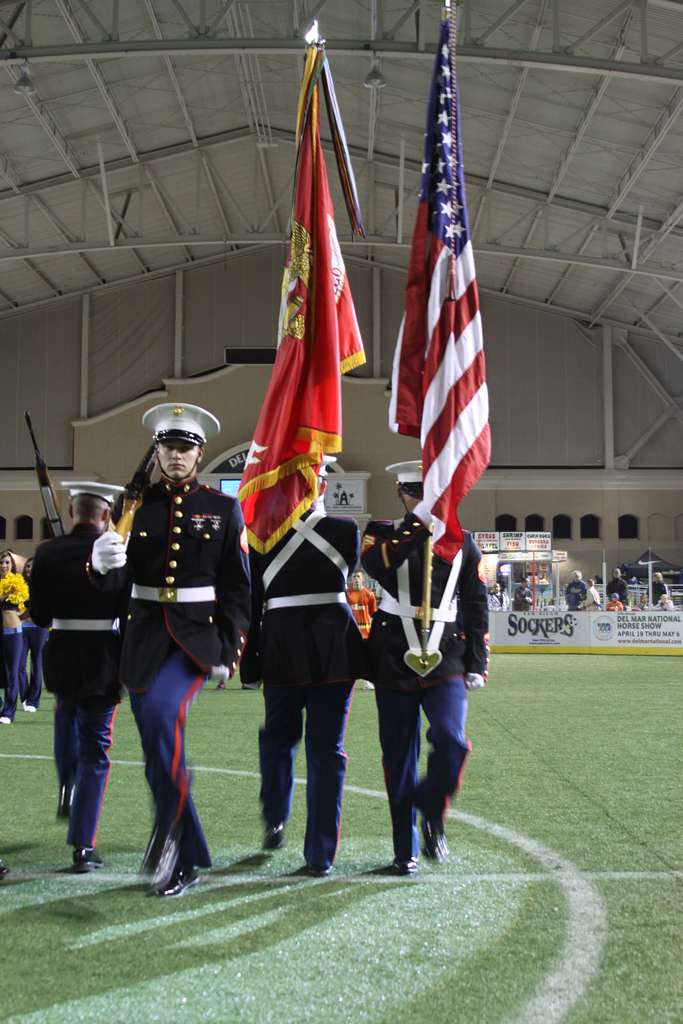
561 899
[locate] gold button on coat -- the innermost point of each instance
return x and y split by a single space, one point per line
178 500
172 565
177 529
142 533
206 536
170 579
175 546
177 514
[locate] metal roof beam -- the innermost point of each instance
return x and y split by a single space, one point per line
623 221
594 29
649 376
166 207
402 20
10 33
220 209
186 18
581 130
221 15
152 15
360 48
10 176
48 125
665 229
508 13
654 140
103 89
252 238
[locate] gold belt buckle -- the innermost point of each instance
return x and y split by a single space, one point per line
168 595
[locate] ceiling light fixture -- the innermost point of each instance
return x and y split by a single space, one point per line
24 84
374 78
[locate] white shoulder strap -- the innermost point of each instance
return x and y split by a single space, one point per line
436 632
321 544
283 556
304 529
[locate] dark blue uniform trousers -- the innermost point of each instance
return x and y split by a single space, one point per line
161 712
445 706
82 739
12 646
30 686
326 708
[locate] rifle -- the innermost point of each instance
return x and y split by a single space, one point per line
134 492
47 491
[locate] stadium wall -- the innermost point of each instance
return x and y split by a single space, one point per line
87 368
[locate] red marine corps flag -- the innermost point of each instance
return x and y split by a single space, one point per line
318 334
439 389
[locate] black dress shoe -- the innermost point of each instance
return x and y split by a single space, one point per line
274 838
85 859
4 870
181 879
316 870
404 867
64 801
434 843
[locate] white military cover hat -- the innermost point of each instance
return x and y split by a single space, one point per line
108 492
328 460
407 472
180 422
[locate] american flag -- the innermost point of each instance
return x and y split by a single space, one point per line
439 389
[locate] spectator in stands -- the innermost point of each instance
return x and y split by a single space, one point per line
592 601
665 603
614 604
498 599
575 592
617 585
659 588
523 598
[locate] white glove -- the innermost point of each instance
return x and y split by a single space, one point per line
219 674
108 552
473 681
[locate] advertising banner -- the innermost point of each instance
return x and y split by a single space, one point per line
641 629
588 632
511 541
539 542
487 541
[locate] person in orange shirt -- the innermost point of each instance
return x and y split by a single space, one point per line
363 606
614 604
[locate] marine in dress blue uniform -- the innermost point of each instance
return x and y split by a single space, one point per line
306 647
393 554
187 571
81 664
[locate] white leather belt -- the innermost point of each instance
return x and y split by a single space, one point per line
301 600
174 595
84 625
409 611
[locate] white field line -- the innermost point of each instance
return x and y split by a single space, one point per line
210 881
580 958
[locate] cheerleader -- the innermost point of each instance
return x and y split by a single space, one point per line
13 597
35 638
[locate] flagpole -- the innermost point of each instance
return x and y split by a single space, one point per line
449 12
426 610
